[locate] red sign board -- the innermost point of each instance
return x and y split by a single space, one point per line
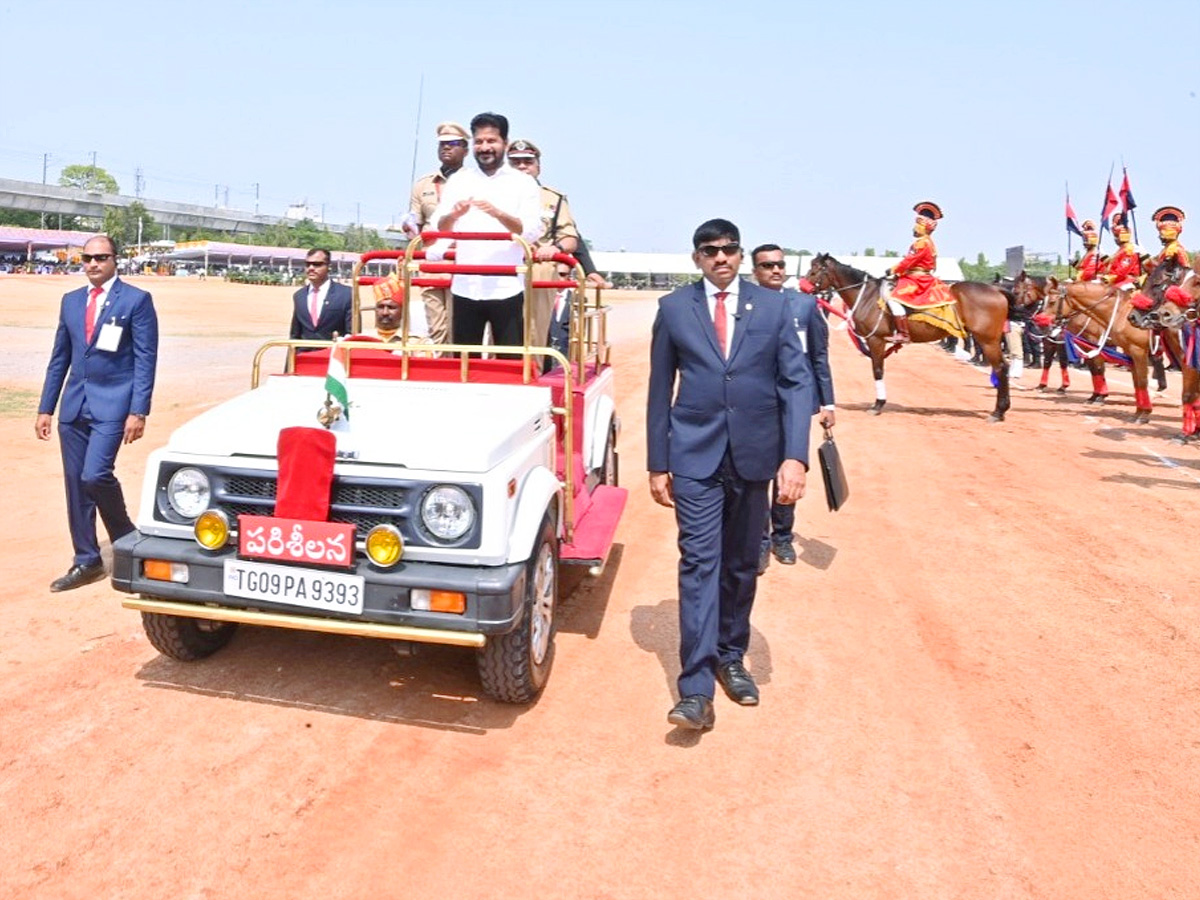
296 541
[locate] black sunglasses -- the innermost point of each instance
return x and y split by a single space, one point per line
711 250
98 257
311 264
454 143
771 265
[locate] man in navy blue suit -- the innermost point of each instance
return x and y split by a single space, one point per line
767 259
322 306
102 364
729 407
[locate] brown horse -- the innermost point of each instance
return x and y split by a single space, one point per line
1030 291
1175 291
1100 316
981 308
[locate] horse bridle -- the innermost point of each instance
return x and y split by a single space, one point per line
862 290
1061 320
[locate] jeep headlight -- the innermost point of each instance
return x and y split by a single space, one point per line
188 492
447 512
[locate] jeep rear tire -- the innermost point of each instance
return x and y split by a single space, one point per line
184 638
609 468
514 667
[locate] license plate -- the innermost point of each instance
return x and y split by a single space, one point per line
320 544
328 591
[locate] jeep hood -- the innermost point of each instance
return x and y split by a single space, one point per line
421 425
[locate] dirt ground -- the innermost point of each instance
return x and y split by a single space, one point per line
981 680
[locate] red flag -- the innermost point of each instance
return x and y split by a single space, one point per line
1110 204
1126 194
1072 219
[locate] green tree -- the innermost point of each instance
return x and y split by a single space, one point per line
980 270
122 224
359 240
22 218
90 178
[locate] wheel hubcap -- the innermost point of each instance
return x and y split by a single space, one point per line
542 612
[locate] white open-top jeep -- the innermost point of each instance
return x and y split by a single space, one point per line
448 488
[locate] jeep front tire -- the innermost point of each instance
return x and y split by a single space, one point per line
514 667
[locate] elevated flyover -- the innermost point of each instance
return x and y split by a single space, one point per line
53 200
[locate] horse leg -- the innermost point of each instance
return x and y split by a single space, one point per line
878 349
1190 396
1099 384
1140 368
1160 370
1190 403
1047 362
994 355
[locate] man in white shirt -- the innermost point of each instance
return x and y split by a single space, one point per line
491 198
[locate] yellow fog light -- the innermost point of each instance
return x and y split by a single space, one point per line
212 529
385 545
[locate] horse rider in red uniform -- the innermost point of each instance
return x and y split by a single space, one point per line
1088 265
916 285
1124 268
1169 221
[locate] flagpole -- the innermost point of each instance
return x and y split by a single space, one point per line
1104 223
1126 196
417 135
1067 189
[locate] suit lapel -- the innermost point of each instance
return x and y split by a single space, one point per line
110 300
700 307
745 313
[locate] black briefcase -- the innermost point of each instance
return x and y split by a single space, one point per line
837 489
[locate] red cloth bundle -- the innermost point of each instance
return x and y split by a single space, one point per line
306 457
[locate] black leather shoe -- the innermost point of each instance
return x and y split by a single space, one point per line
738 684
78 576
785 553
694 713
764 558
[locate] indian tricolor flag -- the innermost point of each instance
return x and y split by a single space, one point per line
335 378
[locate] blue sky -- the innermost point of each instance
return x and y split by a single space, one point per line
816 126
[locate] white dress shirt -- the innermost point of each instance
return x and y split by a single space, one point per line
731 305
322 293
101 301
511 192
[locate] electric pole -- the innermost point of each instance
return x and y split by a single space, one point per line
45 165
256 199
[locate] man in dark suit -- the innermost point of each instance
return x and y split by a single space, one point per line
559 335
729 407
105 351
767 259
322 307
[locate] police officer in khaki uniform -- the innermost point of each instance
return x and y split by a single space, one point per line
559 235
453 144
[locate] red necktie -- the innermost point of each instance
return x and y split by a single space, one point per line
314 309
89 322
719 321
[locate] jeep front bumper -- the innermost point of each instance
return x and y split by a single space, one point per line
494 595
